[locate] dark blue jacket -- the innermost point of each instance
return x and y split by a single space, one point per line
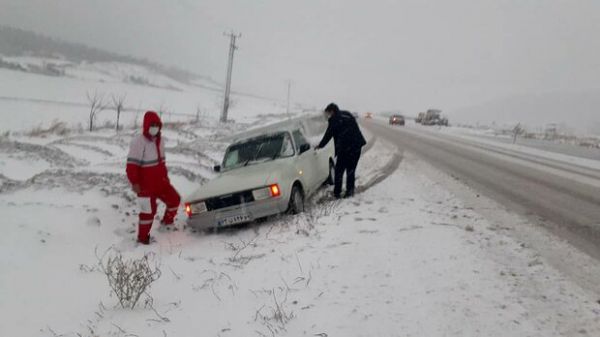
345 132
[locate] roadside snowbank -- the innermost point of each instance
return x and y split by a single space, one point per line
528 150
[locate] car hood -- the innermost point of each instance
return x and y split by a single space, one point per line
237 180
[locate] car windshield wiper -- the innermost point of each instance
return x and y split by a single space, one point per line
255 155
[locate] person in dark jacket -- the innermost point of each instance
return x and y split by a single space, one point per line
348 139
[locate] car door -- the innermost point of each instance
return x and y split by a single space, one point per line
307 160
321 162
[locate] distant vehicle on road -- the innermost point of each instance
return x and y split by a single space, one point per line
434 117
420 118
397 120
261 175
369 115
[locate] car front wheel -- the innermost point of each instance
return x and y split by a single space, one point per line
330 180
296 201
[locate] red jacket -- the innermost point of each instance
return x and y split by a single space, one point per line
146 160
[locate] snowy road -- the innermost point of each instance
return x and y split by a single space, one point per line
564 197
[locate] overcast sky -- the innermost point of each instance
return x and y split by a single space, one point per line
366 55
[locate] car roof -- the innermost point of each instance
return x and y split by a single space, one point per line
263 132
280 127
257 136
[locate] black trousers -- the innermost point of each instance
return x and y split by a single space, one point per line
346 162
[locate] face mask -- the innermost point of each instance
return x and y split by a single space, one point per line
153 131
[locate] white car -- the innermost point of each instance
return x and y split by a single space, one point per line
262 175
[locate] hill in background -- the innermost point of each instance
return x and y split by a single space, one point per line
19 42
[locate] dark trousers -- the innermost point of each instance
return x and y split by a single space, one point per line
346 162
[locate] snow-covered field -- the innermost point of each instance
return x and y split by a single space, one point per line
29 100
405 257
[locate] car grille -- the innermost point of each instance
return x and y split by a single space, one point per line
229 200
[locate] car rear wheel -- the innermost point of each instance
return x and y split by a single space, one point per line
296 200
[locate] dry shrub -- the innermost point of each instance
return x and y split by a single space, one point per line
275 316
56 128
313 215
178 125
129 279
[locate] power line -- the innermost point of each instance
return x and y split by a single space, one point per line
232 47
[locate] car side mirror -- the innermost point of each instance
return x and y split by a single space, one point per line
217 168
304 147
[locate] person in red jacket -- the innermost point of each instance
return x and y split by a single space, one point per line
147 173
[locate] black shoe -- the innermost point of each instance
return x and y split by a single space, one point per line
348 194
337 196
145 241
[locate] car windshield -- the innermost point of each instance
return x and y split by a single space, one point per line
258 149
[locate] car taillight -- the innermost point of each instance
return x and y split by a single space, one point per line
188 209
275 192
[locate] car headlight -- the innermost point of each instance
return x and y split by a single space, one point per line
261 193
271 191
196 208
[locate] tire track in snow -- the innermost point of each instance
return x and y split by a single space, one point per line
73 181
118 140
50 154
88 147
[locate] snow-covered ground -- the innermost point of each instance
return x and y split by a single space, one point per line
403 258
29 100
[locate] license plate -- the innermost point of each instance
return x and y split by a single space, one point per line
232 220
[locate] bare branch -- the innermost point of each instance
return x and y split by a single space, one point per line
97 104
118 104
129 279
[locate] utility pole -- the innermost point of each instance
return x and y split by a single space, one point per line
289 89
232 47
